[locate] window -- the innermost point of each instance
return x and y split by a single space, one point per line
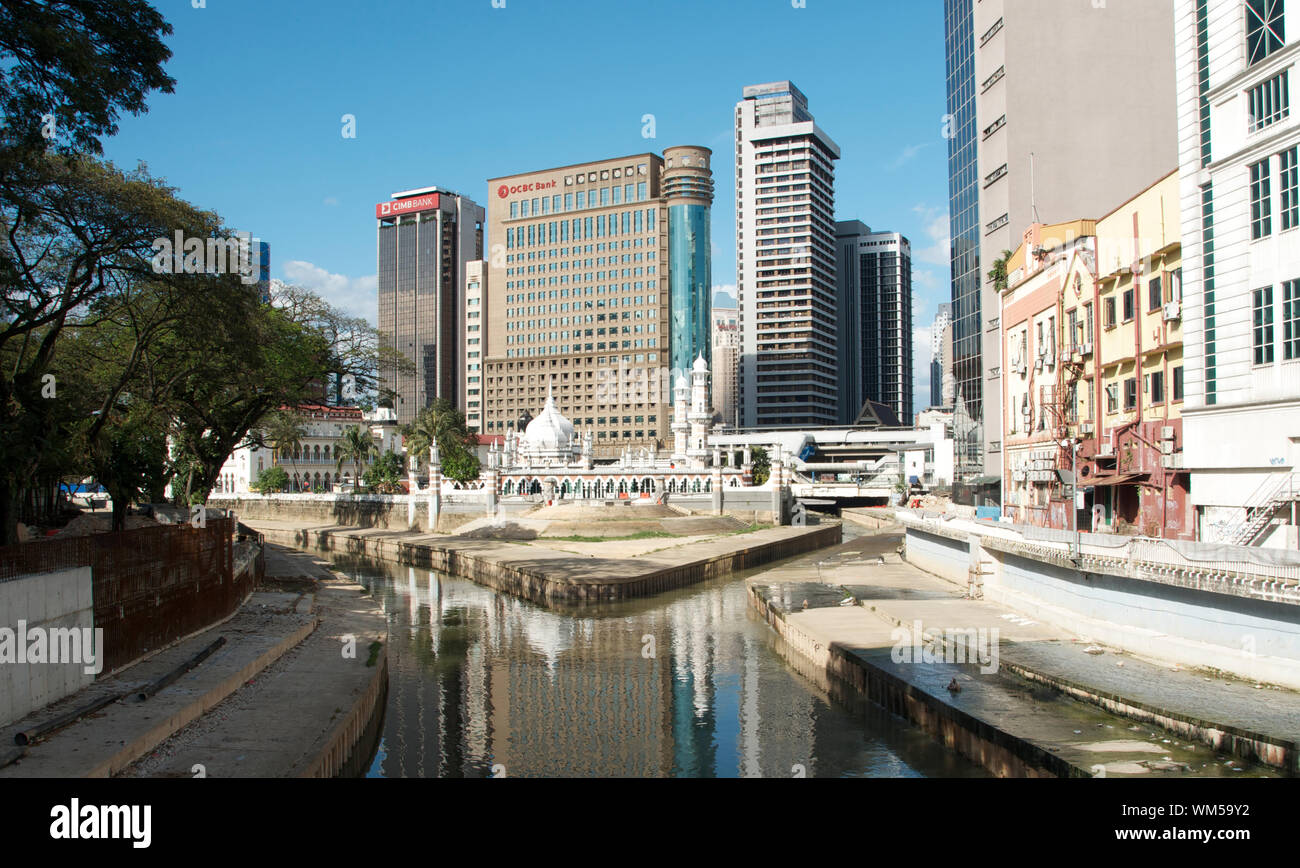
1109 312
1264 326
1175 286
1155 295
1112 397
1270 102
1261 207
1157 387
1178 383
1290 186
1128 305
1265 29
1087 322
1291 320
1130 393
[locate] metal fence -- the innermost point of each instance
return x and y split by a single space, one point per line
151 586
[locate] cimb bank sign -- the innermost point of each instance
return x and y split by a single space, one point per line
414 204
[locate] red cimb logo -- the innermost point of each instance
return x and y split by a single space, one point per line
503 191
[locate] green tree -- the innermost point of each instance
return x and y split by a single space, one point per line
271 480
356 446
357 359
82 61
385 474
75 244
283 431
127 458
762 465
442 423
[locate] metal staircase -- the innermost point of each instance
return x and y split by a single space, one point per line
1278 490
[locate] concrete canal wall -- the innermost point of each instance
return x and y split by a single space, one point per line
1204 616
545 576
850 677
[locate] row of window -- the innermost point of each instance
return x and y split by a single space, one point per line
1153 386
1264 333
580 201
1161 290
581 228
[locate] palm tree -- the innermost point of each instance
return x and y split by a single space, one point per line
285 431
356 446
439 423
999 273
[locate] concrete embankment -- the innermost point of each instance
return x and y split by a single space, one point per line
321 729
544 573
1001 718
850 672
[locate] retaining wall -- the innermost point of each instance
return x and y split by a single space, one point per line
1191 625
540 587
850 676
47 601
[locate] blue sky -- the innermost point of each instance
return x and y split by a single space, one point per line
452 92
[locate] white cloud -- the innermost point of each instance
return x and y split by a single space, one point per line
355 295
330 201
925 279
939 249
907 155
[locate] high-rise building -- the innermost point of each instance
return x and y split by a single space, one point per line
1239 153
726 361
785 260
940 334
425 238
1020 164
474 341
688 193
579 293
874 299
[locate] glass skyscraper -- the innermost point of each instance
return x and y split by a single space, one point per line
964 219
688 192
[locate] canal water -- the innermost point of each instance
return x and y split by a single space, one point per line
685 684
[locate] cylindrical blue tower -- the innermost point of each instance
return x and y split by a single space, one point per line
688 190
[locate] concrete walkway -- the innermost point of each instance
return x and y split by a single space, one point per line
271 623
294 712
1200 709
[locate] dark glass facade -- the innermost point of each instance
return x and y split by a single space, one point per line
964 219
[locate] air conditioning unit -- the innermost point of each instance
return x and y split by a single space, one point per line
1038 364
1087 349
1173 310
1065 355
1167 432
1106 449
1086 427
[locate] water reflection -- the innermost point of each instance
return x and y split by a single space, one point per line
685 684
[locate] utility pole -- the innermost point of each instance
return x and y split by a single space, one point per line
1072 477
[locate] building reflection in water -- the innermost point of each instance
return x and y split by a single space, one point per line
683 684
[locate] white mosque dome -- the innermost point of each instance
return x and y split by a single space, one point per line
550 432
701 366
